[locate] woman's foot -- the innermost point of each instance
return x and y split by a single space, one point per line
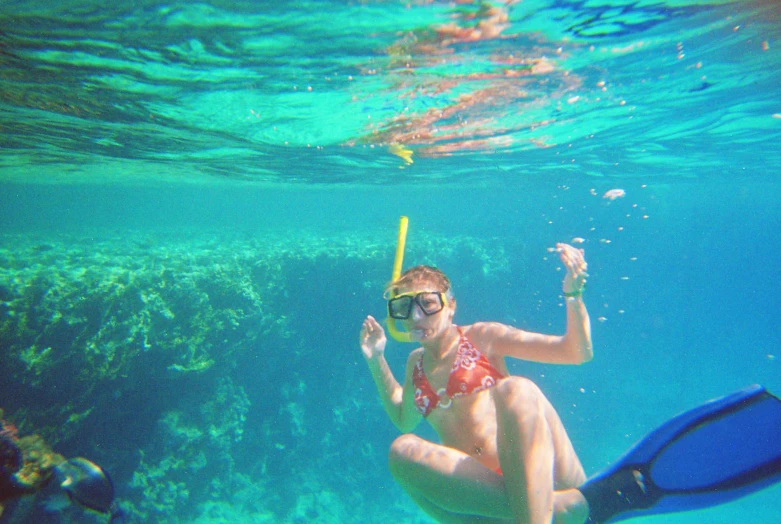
570 507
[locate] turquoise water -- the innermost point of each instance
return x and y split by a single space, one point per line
199 201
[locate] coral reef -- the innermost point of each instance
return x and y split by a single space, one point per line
26 463
196 441
11 461
39 461
87 318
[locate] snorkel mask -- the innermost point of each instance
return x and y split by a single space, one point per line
429 302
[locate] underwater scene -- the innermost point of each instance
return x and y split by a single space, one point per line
200 201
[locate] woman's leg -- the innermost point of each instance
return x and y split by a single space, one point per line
536 456
449 485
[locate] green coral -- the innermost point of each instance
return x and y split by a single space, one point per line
160 495
37 360
195 440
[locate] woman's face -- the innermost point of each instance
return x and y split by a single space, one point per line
427 327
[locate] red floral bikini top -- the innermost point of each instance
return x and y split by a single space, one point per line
471 372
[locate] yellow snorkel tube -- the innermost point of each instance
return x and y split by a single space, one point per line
401 336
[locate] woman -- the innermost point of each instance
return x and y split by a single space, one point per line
504 454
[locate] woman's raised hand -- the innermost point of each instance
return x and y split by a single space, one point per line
372 338
575 262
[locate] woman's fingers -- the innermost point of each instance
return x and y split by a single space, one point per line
573 259
371 329
575 262
569 261
367 329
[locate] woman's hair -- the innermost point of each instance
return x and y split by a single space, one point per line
419 274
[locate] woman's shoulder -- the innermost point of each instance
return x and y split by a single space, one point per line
486 335
412 360
414 355
486 330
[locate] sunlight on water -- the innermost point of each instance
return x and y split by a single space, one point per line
283 87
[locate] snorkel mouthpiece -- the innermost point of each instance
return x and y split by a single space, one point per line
416 335
398 335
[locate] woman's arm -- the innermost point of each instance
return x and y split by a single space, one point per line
398 404
577 338
574 347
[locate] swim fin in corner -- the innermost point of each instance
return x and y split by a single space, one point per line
720 451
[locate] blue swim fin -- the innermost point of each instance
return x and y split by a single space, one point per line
722 450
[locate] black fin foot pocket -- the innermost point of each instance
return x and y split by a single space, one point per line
624 490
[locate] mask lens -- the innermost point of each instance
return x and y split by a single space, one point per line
430 303
399 308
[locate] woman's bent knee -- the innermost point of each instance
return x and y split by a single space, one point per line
402 451
514 390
